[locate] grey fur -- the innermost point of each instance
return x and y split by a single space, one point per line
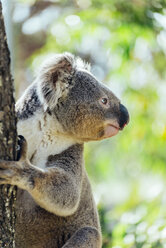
30 104
65 107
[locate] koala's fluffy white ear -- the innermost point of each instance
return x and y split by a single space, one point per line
55 78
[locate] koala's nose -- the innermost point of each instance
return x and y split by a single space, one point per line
124 116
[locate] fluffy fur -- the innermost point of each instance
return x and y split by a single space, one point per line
63 108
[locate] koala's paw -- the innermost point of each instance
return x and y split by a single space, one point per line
16 173
8 171
13 172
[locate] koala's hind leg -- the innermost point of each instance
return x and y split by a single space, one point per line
86 237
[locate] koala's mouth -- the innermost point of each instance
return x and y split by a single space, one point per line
111 130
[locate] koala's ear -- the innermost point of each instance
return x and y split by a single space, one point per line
55 79
62 69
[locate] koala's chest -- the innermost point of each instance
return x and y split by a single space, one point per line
40 145
42 139
39 155
46 147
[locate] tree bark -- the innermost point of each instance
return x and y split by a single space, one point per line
8 140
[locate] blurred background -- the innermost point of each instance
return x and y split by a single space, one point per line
125 42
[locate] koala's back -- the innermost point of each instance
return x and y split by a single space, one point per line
37 228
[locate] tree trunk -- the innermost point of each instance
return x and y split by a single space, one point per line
8 140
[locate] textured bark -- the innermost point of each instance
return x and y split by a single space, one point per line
8 140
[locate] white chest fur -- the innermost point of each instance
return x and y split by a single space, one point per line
43 139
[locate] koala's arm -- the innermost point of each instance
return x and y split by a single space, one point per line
57 188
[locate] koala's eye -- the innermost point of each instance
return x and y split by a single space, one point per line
104 100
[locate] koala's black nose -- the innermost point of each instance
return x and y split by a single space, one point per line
124 116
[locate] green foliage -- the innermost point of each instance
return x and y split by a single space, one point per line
125 42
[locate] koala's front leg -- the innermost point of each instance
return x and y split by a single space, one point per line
20 172
56 189
86 237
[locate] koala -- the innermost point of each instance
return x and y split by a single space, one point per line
62 109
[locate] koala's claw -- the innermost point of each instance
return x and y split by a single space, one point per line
22 151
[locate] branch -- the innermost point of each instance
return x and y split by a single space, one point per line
8 140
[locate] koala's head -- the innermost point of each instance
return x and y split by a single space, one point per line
85 108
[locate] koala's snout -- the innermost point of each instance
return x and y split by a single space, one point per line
124 116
